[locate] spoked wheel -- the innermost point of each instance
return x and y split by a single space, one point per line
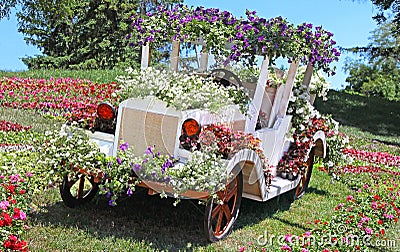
79 190
227 78
219 218
305 178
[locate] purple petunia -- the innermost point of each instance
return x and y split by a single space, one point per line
136 167
129 192
124 146
149 150
112 202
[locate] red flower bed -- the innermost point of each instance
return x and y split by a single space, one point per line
10 126
294 160
73 99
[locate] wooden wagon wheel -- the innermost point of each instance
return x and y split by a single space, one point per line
219 218
306 176
79 190
227 77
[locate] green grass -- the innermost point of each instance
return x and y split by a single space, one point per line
375 118
100 76
28 118
163 226
148 223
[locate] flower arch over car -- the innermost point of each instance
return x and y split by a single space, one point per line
246 37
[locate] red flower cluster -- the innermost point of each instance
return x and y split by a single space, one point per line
7 126
13 243
374 157
73 99
294 160
230 142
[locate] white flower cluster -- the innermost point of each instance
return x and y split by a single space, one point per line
68 149
179 90
318 84
301 109
205 171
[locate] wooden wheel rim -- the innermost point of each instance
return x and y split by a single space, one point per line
305 177
223 213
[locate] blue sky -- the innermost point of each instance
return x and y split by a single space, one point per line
350 21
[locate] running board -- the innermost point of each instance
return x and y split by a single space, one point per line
278 187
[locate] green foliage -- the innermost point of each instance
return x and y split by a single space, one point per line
379 75
385 7
78 34
6 6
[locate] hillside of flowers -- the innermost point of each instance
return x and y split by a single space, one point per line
66 98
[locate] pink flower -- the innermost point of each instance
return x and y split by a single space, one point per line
307 234
350 198
4 204
288 238
368 231
242 249
305 250
388 216
286 248
339 206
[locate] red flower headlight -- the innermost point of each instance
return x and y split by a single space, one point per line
105 111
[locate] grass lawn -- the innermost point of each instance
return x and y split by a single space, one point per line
148 223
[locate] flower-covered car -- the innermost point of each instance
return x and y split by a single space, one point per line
206 134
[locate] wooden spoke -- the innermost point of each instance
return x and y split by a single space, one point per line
231 194
216 211
81 187
79 190
227 212
219 223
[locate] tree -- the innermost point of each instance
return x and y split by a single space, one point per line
80 34
392 6
389 12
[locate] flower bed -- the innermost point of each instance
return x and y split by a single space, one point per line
71 99
13 208
6 126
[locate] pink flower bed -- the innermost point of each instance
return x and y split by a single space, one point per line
73 99
366 214
374 157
